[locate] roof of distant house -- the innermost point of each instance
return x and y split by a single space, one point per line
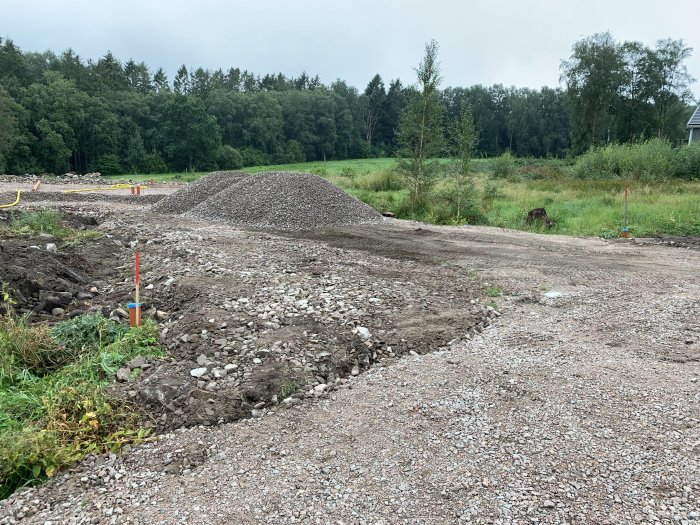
694 121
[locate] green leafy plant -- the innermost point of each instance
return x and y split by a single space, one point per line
289 387
55 409
44 221
6 294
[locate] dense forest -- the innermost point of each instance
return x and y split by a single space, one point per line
60 113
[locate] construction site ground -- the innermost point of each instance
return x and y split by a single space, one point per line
442 375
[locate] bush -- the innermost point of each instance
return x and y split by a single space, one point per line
503 166
457 203
54 409
653 160
686 164
229 158
492 192
87 332
254 157
154 163
28 348
293 153
109 164
348 172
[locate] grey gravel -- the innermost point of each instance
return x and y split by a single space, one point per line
197 192
285 201
540 419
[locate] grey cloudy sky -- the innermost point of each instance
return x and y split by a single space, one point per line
481 41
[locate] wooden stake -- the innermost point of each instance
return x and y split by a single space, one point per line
625 231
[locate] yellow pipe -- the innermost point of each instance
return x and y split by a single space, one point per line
111 188
19 192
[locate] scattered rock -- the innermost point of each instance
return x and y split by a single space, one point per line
123 374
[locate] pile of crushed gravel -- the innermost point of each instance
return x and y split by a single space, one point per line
198 191
285 201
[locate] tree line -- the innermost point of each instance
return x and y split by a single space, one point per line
60 113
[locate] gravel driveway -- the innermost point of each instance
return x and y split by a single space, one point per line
580 404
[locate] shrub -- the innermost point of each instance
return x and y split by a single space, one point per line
154 163
348 172
79 421
229 158
54 409
109 164
458 203
87 332
28 348
293 153
686 164
254 157
503 166
653 160
492 192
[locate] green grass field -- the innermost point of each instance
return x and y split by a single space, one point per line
585 207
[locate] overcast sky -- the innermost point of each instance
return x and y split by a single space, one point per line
481 41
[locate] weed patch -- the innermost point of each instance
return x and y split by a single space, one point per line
54 408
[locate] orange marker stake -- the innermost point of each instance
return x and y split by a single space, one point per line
137 281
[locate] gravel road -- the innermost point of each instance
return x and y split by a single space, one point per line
580 404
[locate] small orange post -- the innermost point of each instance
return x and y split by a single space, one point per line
36 186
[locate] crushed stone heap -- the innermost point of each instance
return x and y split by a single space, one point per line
198 191
284 201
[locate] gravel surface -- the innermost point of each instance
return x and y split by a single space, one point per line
580 404
253 321
285 201
198 191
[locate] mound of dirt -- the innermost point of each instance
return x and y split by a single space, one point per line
198 191
285 201
48 285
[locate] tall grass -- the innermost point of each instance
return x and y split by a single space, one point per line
653 160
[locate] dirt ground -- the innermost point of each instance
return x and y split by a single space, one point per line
398 373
